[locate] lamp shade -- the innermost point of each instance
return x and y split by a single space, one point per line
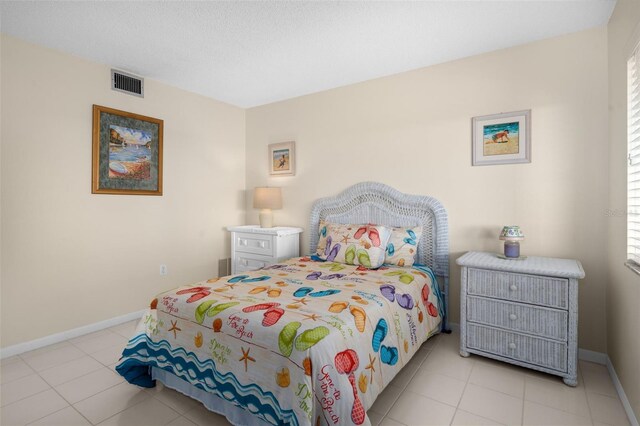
267 198
511 233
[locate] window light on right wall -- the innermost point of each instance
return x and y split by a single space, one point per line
633 157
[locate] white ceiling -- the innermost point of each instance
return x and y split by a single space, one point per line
253 53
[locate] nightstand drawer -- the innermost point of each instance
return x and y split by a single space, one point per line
545 322
250 263
254 243
519 347
534 289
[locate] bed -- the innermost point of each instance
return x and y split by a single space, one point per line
306 341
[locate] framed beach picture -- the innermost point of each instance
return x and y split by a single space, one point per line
127 153
501 138
282 159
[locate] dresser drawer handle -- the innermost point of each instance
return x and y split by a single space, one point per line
261 244
513 287
512 345
245 262
513 317
243 242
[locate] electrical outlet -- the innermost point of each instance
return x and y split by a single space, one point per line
163 270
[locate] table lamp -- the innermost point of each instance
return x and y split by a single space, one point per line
267 199
511 236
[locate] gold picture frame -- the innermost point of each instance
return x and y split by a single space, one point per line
282 159
127 153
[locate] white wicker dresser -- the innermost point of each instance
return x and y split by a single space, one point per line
524 312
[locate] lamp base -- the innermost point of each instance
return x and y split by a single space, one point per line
266 218
512 249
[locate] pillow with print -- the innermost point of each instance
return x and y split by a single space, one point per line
403 246
352 244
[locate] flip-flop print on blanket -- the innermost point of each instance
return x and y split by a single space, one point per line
198 293
388 354
404 300
288 337
318 276
347 362
431 308
246 279
359 314
271 315
403 277
308 291
206 308
333 267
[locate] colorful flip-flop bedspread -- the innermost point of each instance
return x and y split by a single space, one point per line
302 342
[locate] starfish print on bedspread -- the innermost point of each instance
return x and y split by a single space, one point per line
246 358
371 366
175 328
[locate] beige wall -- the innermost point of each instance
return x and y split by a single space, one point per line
70 258
623 292
412 131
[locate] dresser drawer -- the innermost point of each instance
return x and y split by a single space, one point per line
520 347
250 263
534 289
545 322
254 243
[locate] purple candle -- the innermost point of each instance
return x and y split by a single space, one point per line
512 249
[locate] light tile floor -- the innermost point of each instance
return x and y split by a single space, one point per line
74 383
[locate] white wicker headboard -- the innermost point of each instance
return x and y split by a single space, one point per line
372 202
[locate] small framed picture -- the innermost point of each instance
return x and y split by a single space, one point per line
501 138
282 159
127 153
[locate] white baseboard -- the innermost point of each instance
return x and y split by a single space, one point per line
592 356
69 334
623 396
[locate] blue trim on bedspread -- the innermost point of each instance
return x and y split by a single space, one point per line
142 353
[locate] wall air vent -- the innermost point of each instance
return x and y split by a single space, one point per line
127 83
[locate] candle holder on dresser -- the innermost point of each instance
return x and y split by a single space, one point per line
511 235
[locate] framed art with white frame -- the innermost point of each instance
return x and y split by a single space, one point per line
282 159
501 138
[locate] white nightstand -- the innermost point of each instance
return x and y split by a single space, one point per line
253 247
524 312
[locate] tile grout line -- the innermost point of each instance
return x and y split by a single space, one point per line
25 397
555 408
22 377
403 389
523 401
424 396
135 405
585 394
438 341
69 404
467 383
70 380
40 418
126 408
82 415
